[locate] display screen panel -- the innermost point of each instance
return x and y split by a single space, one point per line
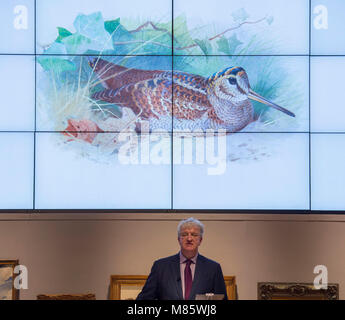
17 175
328 108
17 90
17 23
172 105
245 27
245 171
327 31
328 173
78 175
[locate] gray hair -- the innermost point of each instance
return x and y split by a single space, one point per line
190 222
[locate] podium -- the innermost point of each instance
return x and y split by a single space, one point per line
209 296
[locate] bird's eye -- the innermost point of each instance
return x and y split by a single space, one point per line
232 81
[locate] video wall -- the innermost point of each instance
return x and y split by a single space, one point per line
172 105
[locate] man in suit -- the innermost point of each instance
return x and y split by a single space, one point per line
186 274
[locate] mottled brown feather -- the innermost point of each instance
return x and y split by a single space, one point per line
115 76
189 104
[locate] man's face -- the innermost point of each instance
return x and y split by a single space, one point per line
189 240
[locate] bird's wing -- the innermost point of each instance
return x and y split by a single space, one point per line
148 98
113 76
189 101
152 98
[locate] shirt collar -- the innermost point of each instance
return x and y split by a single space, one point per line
183 258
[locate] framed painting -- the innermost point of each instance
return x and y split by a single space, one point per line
7 277
296 291
231 288
86 296
127 287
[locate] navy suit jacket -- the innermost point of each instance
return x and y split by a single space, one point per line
164 281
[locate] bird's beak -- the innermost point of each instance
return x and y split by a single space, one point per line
254 96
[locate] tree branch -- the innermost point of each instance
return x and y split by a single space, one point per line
169 33
154 27
220 34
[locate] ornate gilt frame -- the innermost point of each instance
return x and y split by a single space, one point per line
296 291
86 296
117 282
231 288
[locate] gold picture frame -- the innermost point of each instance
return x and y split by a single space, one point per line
296 291
231 288
85 296
127 287
7 278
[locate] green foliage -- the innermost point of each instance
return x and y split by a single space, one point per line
56 63
77 42
223 46
229 46
240 15
90 31
182 37
95 36
205 46
112 25
269 20
234 43
63 33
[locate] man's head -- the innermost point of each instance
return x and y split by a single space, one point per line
189 235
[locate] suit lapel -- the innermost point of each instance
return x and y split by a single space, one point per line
177 275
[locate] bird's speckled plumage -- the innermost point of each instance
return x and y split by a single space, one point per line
176 99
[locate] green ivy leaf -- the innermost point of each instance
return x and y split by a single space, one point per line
269 20
223 46
204 46
91 27
77 43
181 33
112 25
240 15
234 43
56 64
120 37
56 48
63 33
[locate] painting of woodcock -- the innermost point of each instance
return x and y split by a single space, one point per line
179 100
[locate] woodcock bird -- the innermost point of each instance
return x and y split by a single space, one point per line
180 100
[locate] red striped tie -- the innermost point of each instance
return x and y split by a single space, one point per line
187 279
